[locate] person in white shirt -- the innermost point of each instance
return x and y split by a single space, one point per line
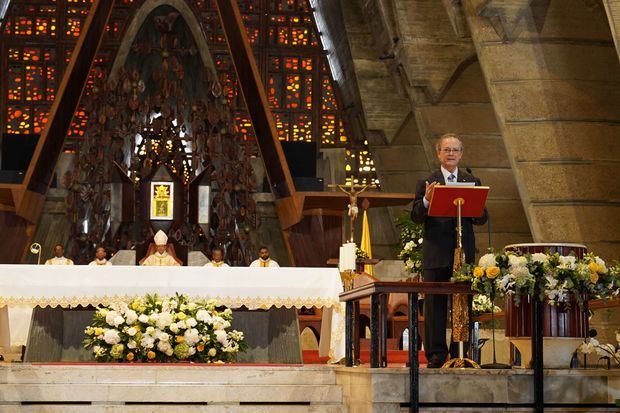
100 257
264 260
160 257
59 257
217 259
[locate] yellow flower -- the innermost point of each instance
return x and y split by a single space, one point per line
200 348
478 272
181 316
493 272
212 352
593 266
600 269
180 339
150 355
98 331
593 277
130 356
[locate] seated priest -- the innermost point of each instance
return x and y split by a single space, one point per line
217 259
264 260
59 257
100 257
160 257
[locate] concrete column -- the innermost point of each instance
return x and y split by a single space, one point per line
553 76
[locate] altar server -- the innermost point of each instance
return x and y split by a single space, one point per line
161 257
264 260
217 259
59 257
100 257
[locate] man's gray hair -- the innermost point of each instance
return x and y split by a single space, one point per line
448 136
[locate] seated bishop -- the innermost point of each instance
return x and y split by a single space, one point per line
101 257
160 257
59 257
264 260
217 259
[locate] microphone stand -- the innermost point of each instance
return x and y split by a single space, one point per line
495 364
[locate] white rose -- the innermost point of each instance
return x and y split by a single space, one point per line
163 346
132 344
191 351
181 325
111 337
153 318
516 261
420 241
487 260
192 306
150 330
212 352
131 316
191 337
191 322
143 318
221 337
110 316
131 331
568 262
147 341
540 257
204 316
174 328
169 352
165 319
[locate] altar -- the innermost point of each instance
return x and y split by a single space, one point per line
264 303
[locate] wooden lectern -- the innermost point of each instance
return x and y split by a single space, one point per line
460 202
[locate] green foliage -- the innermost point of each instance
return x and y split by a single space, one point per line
410 241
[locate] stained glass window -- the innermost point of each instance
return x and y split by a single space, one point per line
300 89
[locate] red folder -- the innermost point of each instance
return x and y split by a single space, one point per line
445 201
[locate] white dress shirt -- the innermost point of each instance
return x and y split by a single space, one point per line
446 174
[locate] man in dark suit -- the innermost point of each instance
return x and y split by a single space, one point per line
440 242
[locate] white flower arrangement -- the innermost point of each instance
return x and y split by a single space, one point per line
482 304
554 276
163 329
607 351
410 243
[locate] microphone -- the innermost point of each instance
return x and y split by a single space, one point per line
469 171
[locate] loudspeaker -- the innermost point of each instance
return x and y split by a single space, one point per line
301 158
17 150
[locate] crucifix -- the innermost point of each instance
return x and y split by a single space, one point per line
353 191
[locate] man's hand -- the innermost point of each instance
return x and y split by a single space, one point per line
430 189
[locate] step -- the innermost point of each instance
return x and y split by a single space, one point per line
85 373
169 408
173 392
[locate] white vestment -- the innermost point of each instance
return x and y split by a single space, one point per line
158 259
220 264
264 263
97 261
59 261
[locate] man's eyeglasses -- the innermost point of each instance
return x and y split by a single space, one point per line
451 150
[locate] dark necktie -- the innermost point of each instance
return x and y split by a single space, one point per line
451 178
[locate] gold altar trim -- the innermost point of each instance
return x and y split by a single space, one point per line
262 303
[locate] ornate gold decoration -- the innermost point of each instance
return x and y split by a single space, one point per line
35 248
347 277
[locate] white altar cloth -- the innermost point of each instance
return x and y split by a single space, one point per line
255 288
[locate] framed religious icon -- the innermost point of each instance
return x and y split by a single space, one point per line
162 206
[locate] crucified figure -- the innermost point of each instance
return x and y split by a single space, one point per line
353 193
